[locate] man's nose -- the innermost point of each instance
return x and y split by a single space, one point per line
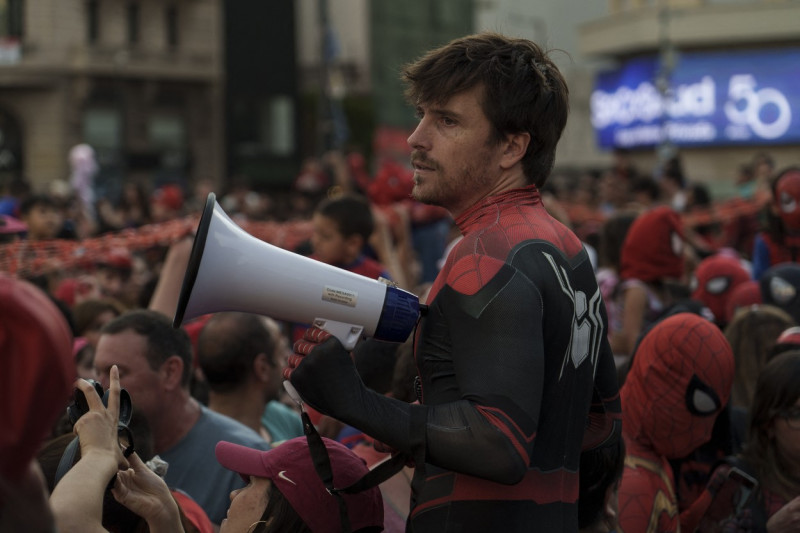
418 140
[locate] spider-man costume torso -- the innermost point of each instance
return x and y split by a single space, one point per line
512 356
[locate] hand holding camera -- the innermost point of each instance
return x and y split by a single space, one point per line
98 427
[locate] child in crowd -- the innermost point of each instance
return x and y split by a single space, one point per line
40 213
342 228
679 382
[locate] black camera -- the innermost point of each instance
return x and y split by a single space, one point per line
80 406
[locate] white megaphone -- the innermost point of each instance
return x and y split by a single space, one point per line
230 270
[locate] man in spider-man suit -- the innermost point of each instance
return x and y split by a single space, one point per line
679 381
516 373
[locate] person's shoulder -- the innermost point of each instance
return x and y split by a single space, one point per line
366 266
227 429
280 409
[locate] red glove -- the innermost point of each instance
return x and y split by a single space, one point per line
312 337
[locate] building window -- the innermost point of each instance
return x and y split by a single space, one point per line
92 21
11 18
166 131
102 128
133 23
276 124
171 24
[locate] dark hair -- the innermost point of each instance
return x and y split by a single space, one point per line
524 91
87 311
777 388
351 212
29 202
646 185
600 468
163 341
280 517
752 332
612 235
227 346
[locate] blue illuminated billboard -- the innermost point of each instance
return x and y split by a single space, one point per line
714 98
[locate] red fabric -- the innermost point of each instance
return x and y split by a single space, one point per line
169 196
779 252
393 183
680 379
118 257
649 252
744 295
468 271
716 277
368 267
193 329
193 512
646 495
787 200
37 375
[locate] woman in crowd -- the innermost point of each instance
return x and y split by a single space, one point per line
771 456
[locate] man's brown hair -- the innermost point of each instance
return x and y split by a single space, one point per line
523 90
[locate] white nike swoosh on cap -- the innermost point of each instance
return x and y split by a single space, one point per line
282 475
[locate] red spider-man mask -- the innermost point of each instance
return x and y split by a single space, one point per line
680 379
744 295
714 281
653 247
787 200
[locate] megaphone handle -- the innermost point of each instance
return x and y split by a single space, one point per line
293 394
348 334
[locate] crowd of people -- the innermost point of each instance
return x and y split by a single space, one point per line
597 352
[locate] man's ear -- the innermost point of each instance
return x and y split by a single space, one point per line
172 370
261 367
515 147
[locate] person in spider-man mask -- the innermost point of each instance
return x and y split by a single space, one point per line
714 281
780 242
680 380
780 286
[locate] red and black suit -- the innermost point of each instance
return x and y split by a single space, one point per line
512 356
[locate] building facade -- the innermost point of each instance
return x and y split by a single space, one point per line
139 81
732 69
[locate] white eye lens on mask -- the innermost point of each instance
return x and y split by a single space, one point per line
677 244
717 285
788 203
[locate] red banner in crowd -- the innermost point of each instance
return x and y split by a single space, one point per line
25 258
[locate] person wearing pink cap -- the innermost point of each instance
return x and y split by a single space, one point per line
287 475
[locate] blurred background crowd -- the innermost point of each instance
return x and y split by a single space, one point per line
104 172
